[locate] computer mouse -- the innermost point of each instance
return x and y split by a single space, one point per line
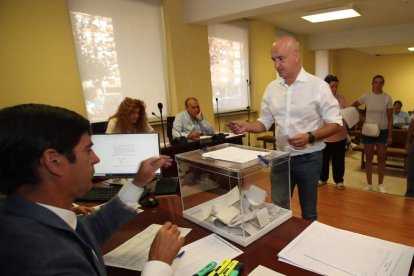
149 202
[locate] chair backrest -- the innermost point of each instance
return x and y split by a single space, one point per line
99 127
170 123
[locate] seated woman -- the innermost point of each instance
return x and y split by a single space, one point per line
129 118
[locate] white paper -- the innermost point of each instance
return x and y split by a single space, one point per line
233 196
332 251
234 154
133 253
264 271
203 251
255 195
350 116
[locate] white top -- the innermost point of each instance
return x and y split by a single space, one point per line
112 123
299 108
129 194
376 108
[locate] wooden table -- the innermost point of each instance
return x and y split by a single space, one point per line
263 251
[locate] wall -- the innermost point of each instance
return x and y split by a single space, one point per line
38 57
355 71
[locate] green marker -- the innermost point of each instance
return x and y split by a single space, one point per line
207 269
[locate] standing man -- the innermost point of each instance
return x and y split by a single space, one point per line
299 104
191 123
46 162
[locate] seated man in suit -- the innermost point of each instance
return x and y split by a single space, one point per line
191 123
46 162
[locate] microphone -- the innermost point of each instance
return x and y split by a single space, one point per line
220 137
162 122
182 140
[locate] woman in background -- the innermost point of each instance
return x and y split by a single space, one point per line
379 109
335 144
129 118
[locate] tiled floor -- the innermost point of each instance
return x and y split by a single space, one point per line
395 181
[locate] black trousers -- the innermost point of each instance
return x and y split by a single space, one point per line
410 173
336 152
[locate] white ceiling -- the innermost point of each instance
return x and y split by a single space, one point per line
385 27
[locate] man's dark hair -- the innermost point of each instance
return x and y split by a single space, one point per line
397 102
331 78
26 131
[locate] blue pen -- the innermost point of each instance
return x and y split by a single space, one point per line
180 255
264 160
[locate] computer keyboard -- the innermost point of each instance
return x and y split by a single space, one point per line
166 186
100 193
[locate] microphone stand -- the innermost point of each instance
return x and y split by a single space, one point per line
248 110
218 114
163 132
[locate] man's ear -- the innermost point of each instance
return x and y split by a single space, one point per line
52 161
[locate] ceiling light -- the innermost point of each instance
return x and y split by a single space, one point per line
411 49
332 14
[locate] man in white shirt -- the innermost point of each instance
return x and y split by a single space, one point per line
298 103
191 123
46 163
400 118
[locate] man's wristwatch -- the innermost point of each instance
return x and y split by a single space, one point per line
311 138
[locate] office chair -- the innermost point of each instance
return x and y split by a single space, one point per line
99 127
269 138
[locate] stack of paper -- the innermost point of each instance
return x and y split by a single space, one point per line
331 251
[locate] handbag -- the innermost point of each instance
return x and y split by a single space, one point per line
372 129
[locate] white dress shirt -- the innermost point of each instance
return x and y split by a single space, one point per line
301 107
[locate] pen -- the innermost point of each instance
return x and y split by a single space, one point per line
229 268
207 269
180 255
264 160
236 270
220 268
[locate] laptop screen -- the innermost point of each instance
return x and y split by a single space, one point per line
121 154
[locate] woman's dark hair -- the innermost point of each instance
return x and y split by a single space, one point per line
26 131
378 77
331 78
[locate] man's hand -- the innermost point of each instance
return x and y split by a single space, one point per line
148 168
299 141
200 116
237 127
194 135
166 244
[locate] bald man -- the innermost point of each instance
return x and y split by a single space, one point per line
298 103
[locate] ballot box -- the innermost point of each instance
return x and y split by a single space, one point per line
236 191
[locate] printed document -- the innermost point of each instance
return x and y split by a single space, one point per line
234 154
133 253
203 251
332 251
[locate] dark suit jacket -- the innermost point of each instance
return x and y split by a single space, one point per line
35 241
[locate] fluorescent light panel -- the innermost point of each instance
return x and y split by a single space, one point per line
332 14
411 49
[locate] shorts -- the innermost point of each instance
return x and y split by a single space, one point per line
381 139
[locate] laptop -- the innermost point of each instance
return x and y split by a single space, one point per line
121 154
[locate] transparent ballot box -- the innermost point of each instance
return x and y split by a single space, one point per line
236 191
